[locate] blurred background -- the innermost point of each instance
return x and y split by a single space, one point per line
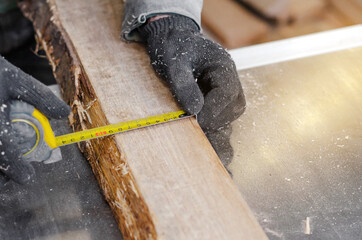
238 23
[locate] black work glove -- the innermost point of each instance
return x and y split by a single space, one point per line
201 74
15 30
17 85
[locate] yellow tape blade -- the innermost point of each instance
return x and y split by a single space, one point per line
117 128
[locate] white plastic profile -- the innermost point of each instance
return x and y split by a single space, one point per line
297 47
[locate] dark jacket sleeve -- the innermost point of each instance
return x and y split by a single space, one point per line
136 13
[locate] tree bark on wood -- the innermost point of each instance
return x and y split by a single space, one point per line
162 182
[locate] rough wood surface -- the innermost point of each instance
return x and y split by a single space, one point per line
164 182
234 26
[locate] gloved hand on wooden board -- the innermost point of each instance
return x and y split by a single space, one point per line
200 73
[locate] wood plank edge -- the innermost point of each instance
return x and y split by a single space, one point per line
125 199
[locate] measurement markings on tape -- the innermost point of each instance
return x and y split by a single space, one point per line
118 128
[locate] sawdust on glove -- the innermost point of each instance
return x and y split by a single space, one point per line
201 75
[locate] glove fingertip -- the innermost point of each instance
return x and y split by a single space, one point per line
19 171
190 98
27 172
3 179
63 111
193 107
26 178
57 110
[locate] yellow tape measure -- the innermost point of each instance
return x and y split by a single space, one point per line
117 128
37 139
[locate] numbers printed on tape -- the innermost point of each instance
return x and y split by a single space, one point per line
117 128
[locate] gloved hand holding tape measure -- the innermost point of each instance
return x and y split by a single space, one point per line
25 132
17 85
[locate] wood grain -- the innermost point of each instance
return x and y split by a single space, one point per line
164 182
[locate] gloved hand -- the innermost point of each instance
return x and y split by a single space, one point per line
15 30
17 85
201 74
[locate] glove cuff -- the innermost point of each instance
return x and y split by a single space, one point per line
164 25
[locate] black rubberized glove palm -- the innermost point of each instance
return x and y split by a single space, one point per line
201 74
17 85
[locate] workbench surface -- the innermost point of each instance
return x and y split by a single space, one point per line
298 146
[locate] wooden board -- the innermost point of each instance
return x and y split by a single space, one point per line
299 18
299 143
351 9
313 24
273 9
234 26
287 10
305 10
359 2
329 19
164 182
